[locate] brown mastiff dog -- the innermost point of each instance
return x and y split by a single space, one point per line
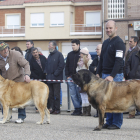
108 96
20 94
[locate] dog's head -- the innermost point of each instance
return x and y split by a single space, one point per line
82 77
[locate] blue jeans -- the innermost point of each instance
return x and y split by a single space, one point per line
114 118
75 95
21 113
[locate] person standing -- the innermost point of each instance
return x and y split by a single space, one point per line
37 66
95 62
84 63
93 66
11 67
30 46
132 48
54 71
132 66
70 69
111 66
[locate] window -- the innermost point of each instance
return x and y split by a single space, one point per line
57 19
37 20
13 21
92 19
115 9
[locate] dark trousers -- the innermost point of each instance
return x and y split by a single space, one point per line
54 96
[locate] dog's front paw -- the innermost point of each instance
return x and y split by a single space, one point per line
39 123
2 122
97 129
48 122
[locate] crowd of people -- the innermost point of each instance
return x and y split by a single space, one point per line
110 64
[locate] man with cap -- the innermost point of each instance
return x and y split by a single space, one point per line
14 66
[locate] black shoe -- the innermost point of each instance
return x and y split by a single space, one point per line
73 112
95 116
105 126
56 112
77 112
52 111
137 113
112 127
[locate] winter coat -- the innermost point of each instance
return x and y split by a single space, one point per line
16 63
54 66
36 71
71 63
128 55
28 54
94 65
133 66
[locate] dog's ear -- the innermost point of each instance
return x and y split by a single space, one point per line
86 78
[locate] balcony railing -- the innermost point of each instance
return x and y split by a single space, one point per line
82 29
5 31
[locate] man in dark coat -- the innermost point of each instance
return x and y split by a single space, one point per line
37 65
93 66
70 69
133 47
30 46
132 66
54 71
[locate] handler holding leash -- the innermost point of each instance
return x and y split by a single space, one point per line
11 67
111 66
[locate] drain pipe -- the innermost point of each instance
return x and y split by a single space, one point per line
103 20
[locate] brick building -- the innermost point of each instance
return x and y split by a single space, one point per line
45 20
126 15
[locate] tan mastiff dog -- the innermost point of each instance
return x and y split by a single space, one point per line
20 94
108 96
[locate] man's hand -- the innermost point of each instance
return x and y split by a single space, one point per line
109 78
27 78
98 75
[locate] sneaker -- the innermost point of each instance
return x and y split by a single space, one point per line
14 109
19 120
7 120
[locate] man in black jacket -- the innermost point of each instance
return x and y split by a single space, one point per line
132 66
133 47
37 66
70 69
93 66
30 46
54 71
111 66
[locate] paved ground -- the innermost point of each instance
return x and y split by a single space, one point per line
66 127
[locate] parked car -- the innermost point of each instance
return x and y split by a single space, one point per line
93 54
